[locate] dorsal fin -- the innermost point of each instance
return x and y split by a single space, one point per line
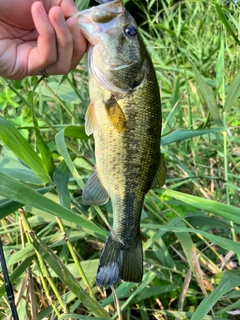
90 119
116 115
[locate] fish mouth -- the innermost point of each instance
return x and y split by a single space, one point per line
96 19
101 13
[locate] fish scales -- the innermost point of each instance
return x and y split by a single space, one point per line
125 117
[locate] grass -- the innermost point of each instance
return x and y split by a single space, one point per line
191 227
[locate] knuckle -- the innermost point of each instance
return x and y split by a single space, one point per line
52 59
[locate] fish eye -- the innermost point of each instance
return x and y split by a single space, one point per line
130 30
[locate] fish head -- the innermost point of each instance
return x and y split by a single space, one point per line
117 57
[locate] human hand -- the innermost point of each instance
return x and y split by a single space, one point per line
34 35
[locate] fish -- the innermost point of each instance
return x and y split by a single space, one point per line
124 116
103 1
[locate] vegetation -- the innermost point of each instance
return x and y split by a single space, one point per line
191 227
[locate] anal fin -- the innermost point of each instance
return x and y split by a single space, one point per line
160 175
94 193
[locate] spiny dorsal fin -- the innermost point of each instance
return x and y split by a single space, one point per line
94 193
116 115
90 119
160 175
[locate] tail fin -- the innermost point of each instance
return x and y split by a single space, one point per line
120 262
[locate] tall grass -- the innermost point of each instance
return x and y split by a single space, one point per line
52 242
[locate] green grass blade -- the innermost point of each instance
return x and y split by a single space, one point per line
233 93
60 141
208 97
8 206
191 255
65 275
228 282
220 241
75 316
41 144
76 131
17 273
18 171
17 191
61 178
147 278
220 68
22 149
229 212
226 24
179 135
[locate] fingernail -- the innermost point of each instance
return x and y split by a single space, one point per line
41 10
60 19
76 30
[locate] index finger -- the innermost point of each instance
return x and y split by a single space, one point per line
68 7
45 53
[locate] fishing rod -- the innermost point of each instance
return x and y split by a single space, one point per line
8 285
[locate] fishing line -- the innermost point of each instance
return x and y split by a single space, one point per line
8 285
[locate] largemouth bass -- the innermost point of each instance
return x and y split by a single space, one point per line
125 118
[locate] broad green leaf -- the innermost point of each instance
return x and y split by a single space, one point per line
233 93
19 255
44 150
76 131
152 291
125 289
231 213
229 282
22 149
208 96
9 206
220 241
67 278
178 135
230 309
17 191
82 4
17 170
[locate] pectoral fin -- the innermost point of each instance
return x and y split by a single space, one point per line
116 115
94 193
90 119
160 175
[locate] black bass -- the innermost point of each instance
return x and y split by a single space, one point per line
125 118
